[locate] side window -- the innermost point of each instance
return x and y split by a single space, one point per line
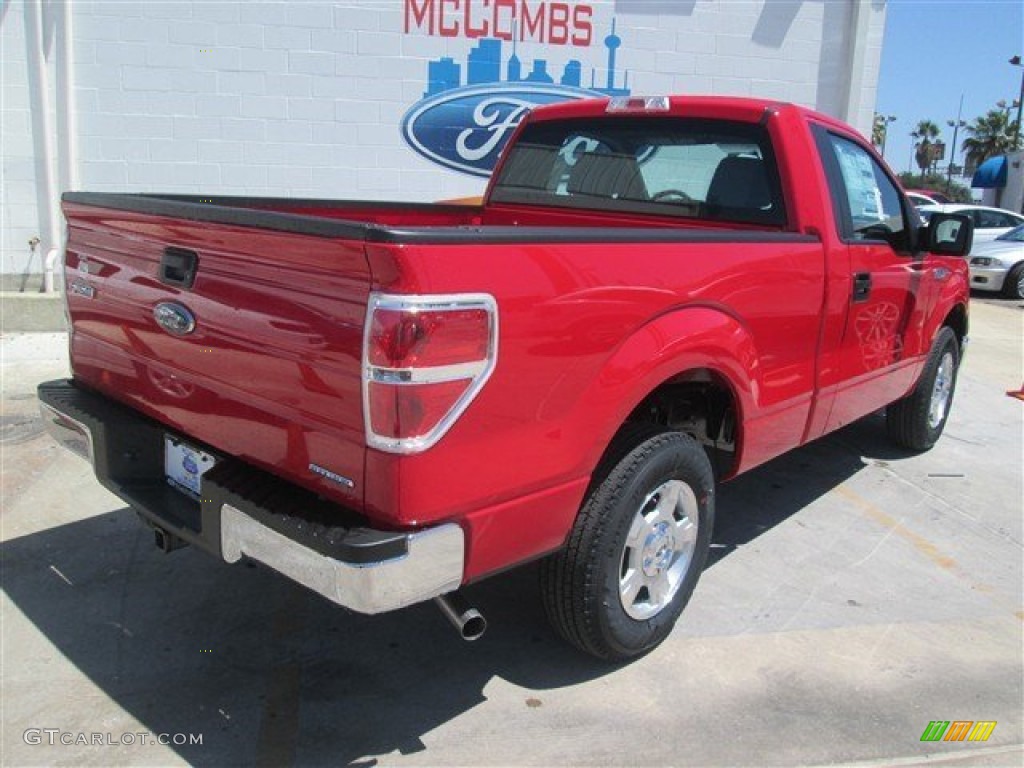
984 220
993 220
871 202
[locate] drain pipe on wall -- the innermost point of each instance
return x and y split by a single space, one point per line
50 265
38 86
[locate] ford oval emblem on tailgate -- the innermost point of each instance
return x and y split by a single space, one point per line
174 318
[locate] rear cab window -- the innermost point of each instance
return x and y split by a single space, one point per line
712 170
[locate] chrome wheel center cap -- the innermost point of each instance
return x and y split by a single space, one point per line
658 549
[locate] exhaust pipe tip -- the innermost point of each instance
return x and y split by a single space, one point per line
469 622
474 626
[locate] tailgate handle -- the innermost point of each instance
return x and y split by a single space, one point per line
178 267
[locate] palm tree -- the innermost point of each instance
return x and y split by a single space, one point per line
988 136
880 130
925 135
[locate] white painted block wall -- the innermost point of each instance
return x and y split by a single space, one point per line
18 211
306 98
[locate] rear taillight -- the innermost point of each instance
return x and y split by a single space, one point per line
424 360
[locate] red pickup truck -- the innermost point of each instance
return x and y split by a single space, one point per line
387 401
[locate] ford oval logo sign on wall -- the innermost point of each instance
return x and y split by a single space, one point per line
174 318
471 107
465 129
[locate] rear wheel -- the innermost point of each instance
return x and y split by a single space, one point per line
917 420
637 548
1013 288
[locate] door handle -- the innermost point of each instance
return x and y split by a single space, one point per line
861 286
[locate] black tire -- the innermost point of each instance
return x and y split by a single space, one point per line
649 468
1012 287
916 421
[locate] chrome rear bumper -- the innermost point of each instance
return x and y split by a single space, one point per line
431 567
364 569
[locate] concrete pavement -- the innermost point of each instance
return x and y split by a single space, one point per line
855 594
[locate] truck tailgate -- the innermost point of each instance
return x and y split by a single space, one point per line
271 370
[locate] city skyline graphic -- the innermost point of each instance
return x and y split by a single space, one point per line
483 66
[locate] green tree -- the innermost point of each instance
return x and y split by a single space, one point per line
925 135
988 136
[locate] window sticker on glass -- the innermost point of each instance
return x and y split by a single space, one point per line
862 188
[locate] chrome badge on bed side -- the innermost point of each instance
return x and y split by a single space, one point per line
333 476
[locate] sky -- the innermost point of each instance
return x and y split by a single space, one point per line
936 50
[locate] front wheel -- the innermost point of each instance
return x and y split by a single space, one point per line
637 548
1013 288
917 421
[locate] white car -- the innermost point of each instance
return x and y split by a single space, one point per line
989 223
917 199
998 265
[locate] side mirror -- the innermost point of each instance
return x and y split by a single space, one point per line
948 234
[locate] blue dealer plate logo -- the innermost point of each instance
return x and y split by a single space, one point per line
466 128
